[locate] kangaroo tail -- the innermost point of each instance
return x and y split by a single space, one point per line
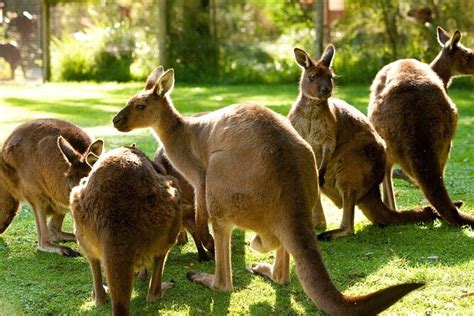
119 274
300 242
8 203
430 179
377 212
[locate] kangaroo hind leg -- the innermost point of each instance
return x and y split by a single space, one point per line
222 279
347 224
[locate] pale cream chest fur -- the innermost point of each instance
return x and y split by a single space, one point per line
316 123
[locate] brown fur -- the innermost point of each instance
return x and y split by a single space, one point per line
189 213
351 154
33 169
126 216
410 108
272 193
12 56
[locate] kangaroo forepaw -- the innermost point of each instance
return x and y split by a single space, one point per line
100 297
142 274
164 287
267 270
335 233
321 175
458 204
203 256
68 252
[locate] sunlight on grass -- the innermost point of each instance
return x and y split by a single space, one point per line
437 253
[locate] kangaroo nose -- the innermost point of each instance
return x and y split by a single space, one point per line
325 90
117 119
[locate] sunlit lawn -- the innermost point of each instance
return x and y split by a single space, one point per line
439 254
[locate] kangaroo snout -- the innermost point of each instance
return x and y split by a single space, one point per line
325 91
119 123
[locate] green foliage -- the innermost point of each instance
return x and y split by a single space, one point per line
113 57
372 34
71 60
439 254
100 53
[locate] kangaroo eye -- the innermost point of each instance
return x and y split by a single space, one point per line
311 77
140 106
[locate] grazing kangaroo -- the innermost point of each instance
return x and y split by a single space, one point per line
12 56
33 169
272 193
189 213
126 216
350 153
410 108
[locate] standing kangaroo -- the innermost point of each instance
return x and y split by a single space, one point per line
410 108
32 169
12 56
350 153
189 213
127 215
272 193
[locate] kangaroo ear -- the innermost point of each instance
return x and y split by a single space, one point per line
69 153
302 58
443 36
165 83
153 77
91 159
96 147
453 42
328 56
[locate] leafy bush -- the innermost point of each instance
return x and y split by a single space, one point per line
99 53
113 57
70 60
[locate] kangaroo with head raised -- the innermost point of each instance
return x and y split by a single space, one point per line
349 152
410 108
33 169
272 194
127 216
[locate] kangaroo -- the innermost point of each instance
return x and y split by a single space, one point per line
12 56
126 216
32 169
272 193
189 213
410 108
350 153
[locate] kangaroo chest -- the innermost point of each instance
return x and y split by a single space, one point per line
317 126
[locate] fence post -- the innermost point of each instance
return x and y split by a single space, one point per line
318 26
45 40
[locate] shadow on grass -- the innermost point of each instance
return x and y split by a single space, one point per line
371 249
198 299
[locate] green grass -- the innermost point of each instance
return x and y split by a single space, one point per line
32 282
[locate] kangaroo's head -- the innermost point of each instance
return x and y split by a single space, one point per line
79 165
316 80
459 59
143 109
